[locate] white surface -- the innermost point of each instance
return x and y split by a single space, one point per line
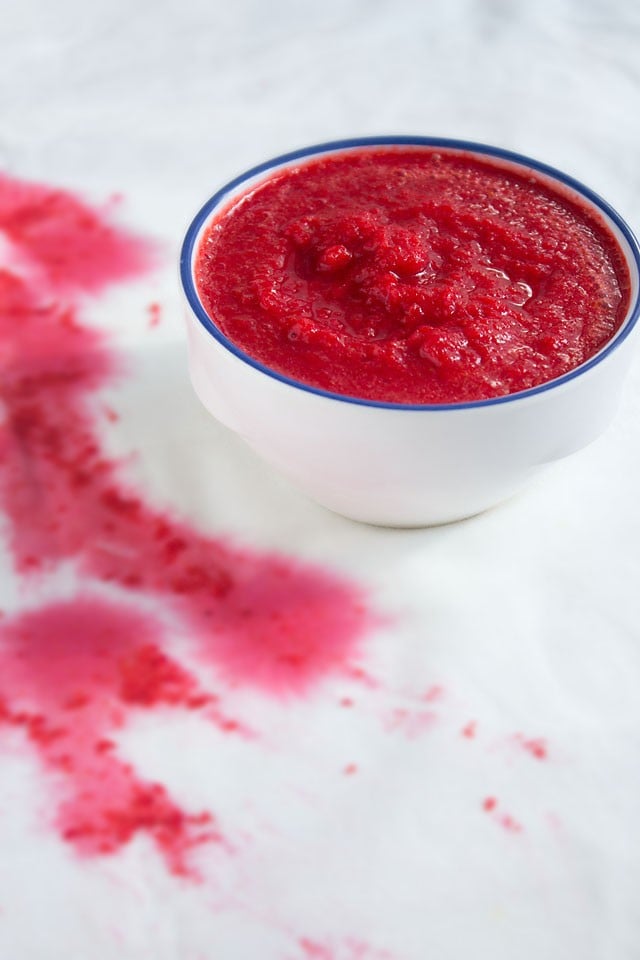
528 616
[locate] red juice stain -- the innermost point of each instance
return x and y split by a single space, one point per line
76 248
350 769
469 730
260 619
69 674
534 746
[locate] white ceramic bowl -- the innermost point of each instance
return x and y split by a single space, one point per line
392 464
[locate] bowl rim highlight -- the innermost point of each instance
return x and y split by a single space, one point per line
194 231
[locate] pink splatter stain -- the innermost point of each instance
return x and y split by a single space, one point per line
470 730
505 820
259 619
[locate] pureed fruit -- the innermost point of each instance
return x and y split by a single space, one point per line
413 275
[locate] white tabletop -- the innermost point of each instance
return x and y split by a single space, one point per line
463 779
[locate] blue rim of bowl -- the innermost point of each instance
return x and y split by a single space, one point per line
188 283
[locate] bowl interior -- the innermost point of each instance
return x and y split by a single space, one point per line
227 195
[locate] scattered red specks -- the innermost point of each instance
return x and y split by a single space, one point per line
469 730
434 693
154 311
350 769
69 672
505 820
536 747
410 723
259 619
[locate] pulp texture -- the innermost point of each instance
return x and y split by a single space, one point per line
413 275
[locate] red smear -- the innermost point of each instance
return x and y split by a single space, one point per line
315 950
505 820
469 731
349 949
112 415
350 769
346 702
154 311
259 619
434 693
535 747
75 247
70 671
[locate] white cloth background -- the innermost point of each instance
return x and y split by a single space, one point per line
528 616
